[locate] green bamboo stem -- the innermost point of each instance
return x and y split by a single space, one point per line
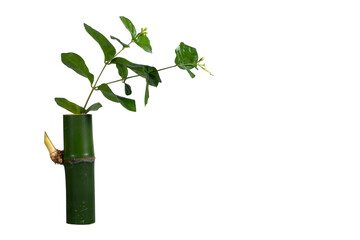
79 169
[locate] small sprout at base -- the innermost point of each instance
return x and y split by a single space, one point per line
50 146
55 155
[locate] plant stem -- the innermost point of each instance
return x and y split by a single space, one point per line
124 79
93 88
161 69
123 48
102 70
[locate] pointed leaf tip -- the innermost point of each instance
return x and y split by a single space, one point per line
128 90
76 63
117 39
70 106
94 107
127 103
146 98
129 26
107 48
143 41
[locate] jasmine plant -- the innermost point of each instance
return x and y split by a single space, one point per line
186 58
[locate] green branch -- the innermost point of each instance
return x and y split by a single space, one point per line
138 75
186 59
102 70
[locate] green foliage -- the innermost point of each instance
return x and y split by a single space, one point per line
127 103
93 107
146 94
107 48
143 41
186 59
76 63
121 66
129 26
192 75
186 56
70 106
139 38
123 44
128 90
151 74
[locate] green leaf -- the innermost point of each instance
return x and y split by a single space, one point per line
127 103
143 41
106 46
149 73
120 60
146 93
76 63
94 107
129 26
128 90
123 44
70 106
186 57
191 73
122 69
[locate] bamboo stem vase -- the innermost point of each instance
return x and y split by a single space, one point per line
78 160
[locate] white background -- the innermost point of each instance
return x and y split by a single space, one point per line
268 148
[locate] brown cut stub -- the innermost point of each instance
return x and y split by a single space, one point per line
57 156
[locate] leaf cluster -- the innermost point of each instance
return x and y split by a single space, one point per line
186 59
